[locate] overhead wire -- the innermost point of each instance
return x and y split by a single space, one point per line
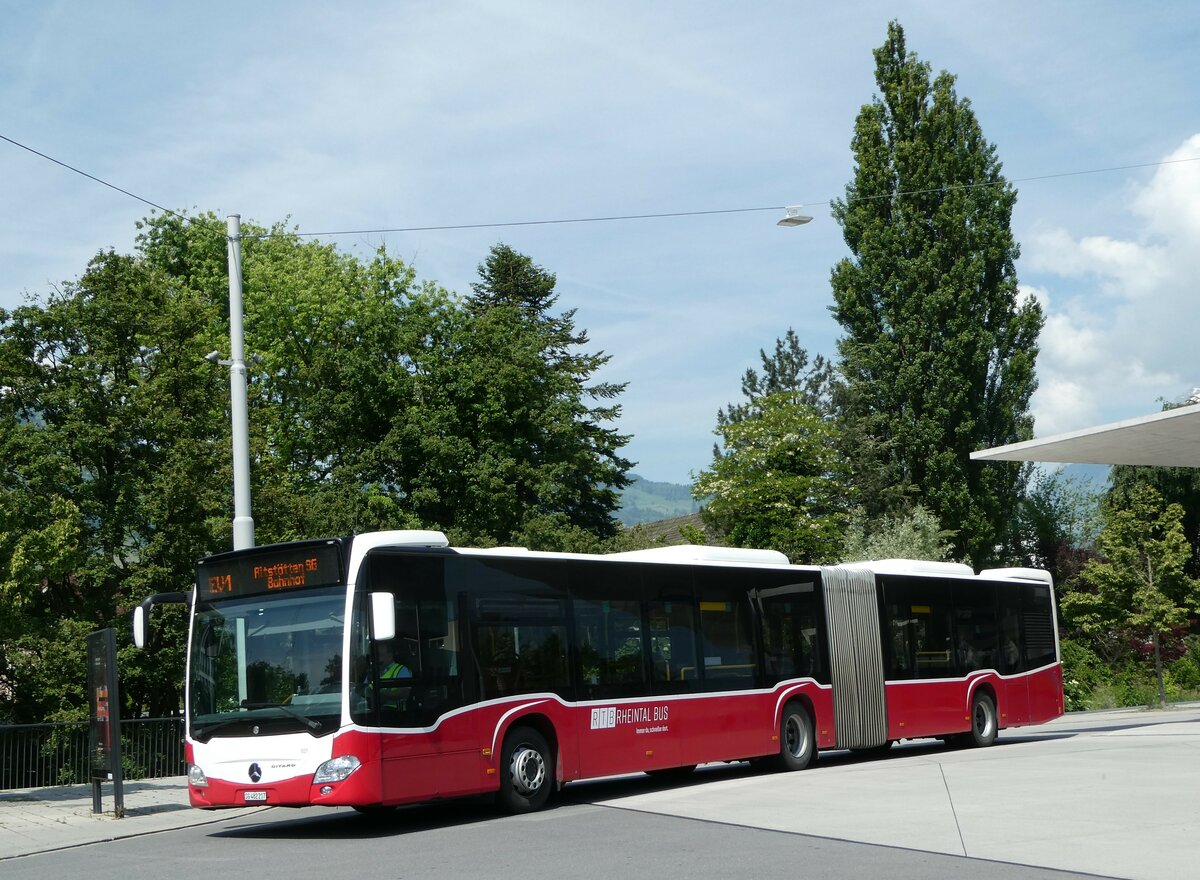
91 176
604 218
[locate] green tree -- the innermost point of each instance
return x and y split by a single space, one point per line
514 438
776 483
1057 524
915 535
938 354
1179 485
1139 585
106 496
337 339
786 371
375 402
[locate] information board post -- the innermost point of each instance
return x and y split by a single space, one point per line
104 704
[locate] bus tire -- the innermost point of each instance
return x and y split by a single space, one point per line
528 771
797 744
984 725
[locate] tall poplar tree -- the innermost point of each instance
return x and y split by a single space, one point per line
938 354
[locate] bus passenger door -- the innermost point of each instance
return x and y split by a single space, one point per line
415 682
729 724
632 649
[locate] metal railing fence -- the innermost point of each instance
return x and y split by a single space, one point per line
37 755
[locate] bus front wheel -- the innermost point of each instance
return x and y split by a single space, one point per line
797 745
528 771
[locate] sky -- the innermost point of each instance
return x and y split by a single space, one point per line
372 116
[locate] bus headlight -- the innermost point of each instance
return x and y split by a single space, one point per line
336 769
196 777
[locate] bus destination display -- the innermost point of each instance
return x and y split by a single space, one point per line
270 570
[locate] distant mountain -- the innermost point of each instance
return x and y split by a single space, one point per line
647 501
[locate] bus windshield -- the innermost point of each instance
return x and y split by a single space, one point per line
267 664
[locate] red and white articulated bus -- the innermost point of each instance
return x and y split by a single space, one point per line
389 668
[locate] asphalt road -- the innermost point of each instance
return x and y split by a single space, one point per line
1111 794
469 840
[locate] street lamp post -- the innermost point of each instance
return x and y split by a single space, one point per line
243 522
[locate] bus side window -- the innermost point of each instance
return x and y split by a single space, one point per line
977 633
1010 660
517 624
672 646
522 645
609 633
1037 617
789 632
727 647
920 616
413 678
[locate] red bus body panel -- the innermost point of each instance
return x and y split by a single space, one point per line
461 754
943 706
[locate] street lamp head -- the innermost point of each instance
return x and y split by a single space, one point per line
794 217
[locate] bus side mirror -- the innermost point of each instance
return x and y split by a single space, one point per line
383 616
139 626
141 614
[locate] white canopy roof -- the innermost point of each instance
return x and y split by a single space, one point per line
1168 439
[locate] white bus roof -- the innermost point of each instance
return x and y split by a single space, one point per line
950 569
703 553
686 553
402 538
1018 574
913 566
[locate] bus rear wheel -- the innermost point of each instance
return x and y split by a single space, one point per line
528 771
984 726
797 745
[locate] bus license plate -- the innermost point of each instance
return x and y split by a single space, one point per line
254 796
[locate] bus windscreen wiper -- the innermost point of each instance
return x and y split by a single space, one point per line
310 723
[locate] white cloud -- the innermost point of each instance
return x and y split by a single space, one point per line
1062 405
1068 342
1170 204
1120 330
1123 269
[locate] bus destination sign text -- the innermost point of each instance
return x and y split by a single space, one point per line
282 575
269 569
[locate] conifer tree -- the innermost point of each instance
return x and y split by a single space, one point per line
939 349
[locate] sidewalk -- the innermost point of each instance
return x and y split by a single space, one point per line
34 820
